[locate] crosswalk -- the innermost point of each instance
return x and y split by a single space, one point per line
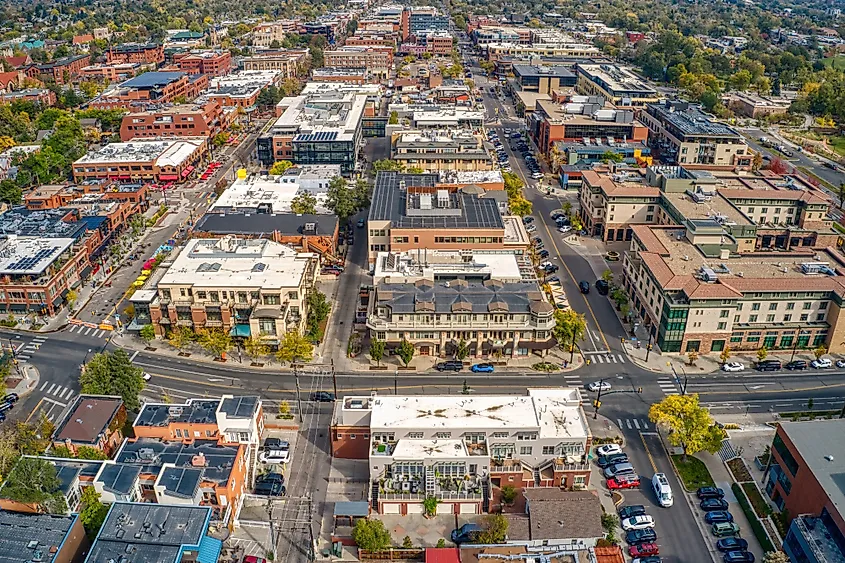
55 393
89 331
727 451
605 357
633 423
667 385
26 350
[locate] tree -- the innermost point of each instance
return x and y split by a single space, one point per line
406 352
377 350
387 165
494 529
361 192
520 206
180 338
462 351
93 512
304 204
371 535
690 425
34 481
607 276
220 139
508 494
294 348
575 223
570 326
71 298
274 44
255 348
89 452
725 355
280 166
394 118
269 97
762 353
215 341
112 373
610 156
340 199
776 557
147 334
407 543
692 356
757 162
318 311
840 193
820 351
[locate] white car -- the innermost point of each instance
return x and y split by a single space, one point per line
609 449
544 265
531 228
821 363
147 376
598 385
279 454
564 229
638 522
840 363
536 175
733 366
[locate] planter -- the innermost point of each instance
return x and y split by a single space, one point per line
150 349
256 364
378 368
184 354
407 368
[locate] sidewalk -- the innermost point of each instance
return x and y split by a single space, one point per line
26 383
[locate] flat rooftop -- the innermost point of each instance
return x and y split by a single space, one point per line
30 256
472 177
118 478
88 419
433 449
153 79
231 262
551 71
445 264
163 153
239 222
562 417
193 411
152 454
268 194
715 206
689 120
32 537
617 80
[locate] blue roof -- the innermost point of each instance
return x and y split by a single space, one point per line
352 508
93 223
209 551
153 79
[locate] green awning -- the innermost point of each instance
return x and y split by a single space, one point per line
240 330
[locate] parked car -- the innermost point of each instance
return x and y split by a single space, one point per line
10 398
643 549
840 363
732 544
606 461
770 365
739 557
564 229
602 287
795 365
536 175
270 484
272 443
631 510
276 455
623 483
651 559
641 536
710 504
449 366
733 366
710 492
718 516
617 469
466 533
527 219
596 385
543 254
584 287
551 268
822 363
323 397
642 522
531 228
482 368
6 407
722 529
609 449
361 223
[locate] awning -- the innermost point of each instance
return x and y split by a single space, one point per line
533 345
209 551
242 331
358 508
187 171
168 177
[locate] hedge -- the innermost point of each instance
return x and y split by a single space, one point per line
756 525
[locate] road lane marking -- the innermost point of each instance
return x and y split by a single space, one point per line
637 424
648 453
619 422
53 386
55 402
628 422
134 355
45 384
73 328
35 409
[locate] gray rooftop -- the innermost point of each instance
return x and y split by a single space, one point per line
559 71
458 295
154 79
151 454
193 411
685 119
238 223
240 407
392 202
181 482
119 478
48 223
30 537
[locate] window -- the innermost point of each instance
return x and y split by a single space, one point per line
526 436
500 434
787 318
548 450
770 318
755 306
722 326
736 318
773 306
788 460
804 317
525 450
806 306
579 480
823 305
724 314
443 435
752 318
267 327
415 435
178 433
820 316
790 306
352 436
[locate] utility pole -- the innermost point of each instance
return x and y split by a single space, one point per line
395 377
597 402
334 380
272 528
648 347
298 396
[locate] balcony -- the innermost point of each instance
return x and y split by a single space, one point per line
506 466
213 324
382 449
477 449
561 465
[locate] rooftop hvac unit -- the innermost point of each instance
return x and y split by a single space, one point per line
708 275
814 267
425 201
442 199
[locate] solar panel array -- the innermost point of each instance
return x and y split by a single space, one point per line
321 136
30 261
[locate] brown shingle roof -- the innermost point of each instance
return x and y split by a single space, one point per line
558 514
87 419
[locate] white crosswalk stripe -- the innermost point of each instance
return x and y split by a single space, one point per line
65 392
44 385
633 423
50 390
667 385
637 424
87 331
73 328
40 339
606 358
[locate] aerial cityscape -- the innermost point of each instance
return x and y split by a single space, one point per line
441 281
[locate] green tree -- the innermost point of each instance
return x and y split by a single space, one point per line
377 350
220 139
570 326
255 348
341 199
494 529
776 557
269 97
274 44
217 342
112 373
406 352
520 206
607 276
34 481
610 156
304 204
690 425
93 512
361 192
508 494
462 350
820 351
407 543
394 118
180 337
147 334
294 349
280 166
71 298
371 535
318 311
725 355
89 452
762 354
387 165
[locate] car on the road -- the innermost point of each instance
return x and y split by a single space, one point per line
651 559
769 365
831 165
146 377
732 544
612 459
482 368
733 366
450 365
642 522
840 363
718 516
360 224
739 557
618 469
323 397
543 254
602 287
710 492
270 484
466 533
278 455
631 510
711 504
643 550
822 363
623 482
609 449
598 385
564 229
723 529
10 398
536 175
584 287
641 536
796 365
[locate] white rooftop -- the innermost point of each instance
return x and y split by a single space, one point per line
273 192
162 153
407 267
231 262
436 449
30 256
553 412
472 177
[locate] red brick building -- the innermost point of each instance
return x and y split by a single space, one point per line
60 71
143 53
152 87
212 63
186 120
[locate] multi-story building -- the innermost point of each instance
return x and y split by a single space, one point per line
542 79
411 211
158 161
242 88
345 75
495 34
371 39
437 42
212 63
618 85
612 204
42 537
436 151
60 71
755 105
457 449
495 51
152 88
92 421
418 19
375 60
438 116
116 72
249 287
269 33
40 95
182 120
802 479
141 53
290 63
682 133
273 194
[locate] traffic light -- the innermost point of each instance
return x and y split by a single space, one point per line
596 404
639 389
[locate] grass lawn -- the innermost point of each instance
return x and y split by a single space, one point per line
693 472
761 508
837 144
837 62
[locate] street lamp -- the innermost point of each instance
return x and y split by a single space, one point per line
678 379
597 403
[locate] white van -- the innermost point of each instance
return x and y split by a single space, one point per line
662 490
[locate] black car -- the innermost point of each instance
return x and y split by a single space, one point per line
449 366
10 398
768 365
272 443
641 536
543 254
527 220
602 287
270 484
611 459
731 544
323 397
710 492
739 557
796 365
551 268
584 287
630 511
709 504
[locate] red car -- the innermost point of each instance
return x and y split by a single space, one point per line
614 483
644 550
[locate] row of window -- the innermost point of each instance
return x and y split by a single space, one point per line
468 240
